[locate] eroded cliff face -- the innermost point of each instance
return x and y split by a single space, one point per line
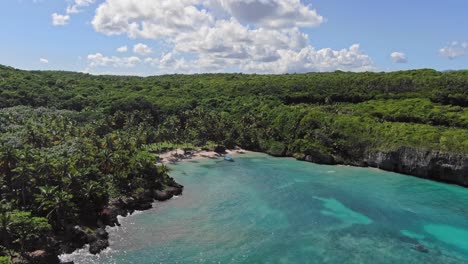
434 165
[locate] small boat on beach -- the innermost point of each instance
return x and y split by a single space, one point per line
228 158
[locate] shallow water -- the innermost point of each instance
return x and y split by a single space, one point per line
261 209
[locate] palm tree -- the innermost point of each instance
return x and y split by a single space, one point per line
5 222
57 204
8 159
23 180
107 159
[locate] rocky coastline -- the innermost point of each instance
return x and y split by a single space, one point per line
433 165
96 236
427 164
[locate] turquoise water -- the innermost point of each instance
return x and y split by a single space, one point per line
261 209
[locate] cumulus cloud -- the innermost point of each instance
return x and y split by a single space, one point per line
168 62
216 35
42 60
148 18
142 49
309 59
60 20
98 59
398 57
122 49
74 6
455 50
269 13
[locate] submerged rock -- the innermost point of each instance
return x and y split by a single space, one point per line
420 248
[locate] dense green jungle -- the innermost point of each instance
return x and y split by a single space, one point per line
71 143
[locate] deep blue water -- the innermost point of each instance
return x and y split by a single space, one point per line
261 209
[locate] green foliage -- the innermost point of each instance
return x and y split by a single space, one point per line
26 230
5 260
70 142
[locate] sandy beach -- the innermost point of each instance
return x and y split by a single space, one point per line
178 155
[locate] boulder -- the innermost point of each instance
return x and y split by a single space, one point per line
98 246
163 195
102 233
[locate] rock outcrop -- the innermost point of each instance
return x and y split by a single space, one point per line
98 238
433 165
319 157
128 205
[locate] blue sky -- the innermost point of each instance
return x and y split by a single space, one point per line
263 36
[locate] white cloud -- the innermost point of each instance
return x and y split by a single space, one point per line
142 49
148 18
269 13
455 50
60 20
99 60
309 59
42 60
122 49
219 35
398 57
168 63
76 5
73 8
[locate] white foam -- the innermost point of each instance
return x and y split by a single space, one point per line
82 255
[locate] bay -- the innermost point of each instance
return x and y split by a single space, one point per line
261 209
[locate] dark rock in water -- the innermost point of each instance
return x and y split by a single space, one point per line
108 216
79 235
144 206
162 195
98 246
102 233
97 239
220 149
168 192
420 248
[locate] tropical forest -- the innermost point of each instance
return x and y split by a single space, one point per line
72 145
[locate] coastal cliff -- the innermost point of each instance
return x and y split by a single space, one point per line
433 165
77 236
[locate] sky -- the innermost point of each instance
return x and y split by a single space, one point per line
152 37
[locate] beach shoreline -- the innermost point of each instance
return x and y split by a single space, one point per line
179 155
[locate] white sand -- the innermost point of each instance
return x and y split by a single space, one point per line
178 155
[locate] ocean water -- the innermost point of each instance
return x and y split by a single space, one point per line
261 209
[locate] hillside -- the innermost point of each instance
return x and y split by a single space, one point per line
72 143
